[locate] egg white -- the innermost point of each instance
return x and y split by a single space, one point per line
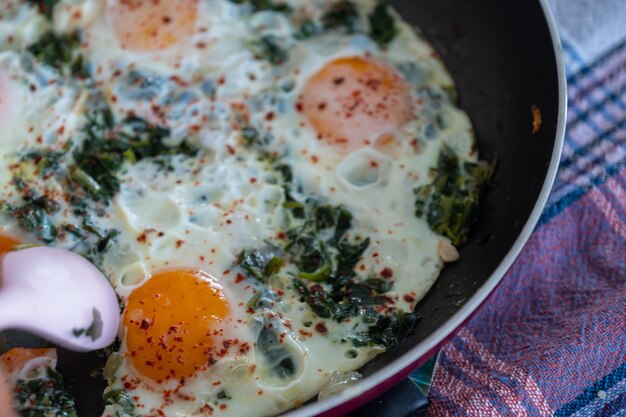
201 212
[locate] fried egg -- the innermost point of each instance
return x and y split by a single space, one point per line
245 175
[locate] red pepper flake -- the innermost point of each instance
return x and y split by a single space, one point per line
145 324
299 107
321 327
178 80
269 116
409 298
179 243
239 278
223 406
217 383
315 159
253 180
230 149
386 273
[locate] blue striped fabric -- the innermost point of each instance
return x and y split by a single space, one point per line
552 340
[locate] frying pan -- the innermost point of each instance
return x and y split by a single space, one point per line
505 58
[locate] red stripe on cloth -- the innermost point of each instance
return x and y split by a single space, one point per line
473 403
609 212
508 396
526 381
557 322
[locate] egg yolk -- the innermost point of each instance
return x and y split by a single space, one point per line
15 359
353 101
152 25
7 244
173 323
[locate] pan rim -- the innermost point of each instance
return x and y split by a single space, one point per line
385 378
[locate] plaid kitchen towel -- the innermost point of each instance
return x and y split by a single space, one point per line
552 340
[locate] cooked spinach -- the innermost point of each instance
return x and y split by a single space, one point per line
318 245
386 330
382 24
48 161
260 264
253 137
259 5
44 397
268 48
34 216
45 6
60 52
107 147
450 202
307 30
342 15
124 402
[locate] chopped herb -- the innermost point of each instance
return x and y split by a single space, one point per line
269 49
382 24
450 202
33 217
253 137
307 30
108 146
60 52
387 330
47 161
319 275
342 15
258 5
273 266
125 405
320 258
45 6
44 397
224 395
260 264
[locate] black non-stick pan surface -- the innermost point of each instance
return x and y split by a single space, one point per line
503 57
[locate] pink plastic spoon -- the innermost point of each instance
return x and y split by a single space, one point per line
59 296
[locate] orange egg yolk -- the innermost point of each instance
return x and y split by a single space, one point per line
15 359
7 244
152 25
173 323
353 101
